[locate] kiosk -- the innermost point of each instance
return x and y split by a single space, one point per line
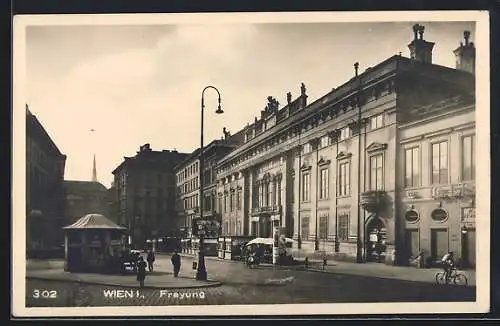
94 244
230 247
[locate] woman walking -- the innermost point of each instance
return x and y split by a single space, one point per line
141 271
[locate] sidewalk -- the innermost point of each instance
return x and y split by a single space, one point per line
426 275
154 280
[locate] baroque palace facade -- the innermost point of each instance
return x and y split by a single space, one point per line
357 172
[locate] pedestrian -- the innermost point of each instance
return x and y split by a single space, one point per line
151 259
176 263
141 271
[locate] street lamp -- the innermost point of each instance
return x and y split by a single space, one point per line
201 271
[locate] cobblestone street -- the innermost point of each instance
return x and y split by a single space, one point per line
263 285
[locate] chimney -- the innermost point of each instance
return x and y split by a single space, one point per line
420 49
465 55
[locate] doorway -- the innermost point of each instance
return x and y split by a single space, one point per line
412 243
375 240
439 243
469 247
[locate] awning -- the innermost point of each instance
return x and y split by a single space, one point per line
266 241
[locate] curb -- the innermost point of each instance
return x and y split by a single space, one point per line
212 284
209 257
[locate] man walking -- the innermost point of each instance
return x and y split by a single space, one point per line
176 263
151 259
141 271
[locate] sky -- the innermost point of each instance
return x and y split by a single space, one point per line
137 84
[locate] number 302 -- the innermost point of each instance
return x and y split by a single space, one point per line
44 294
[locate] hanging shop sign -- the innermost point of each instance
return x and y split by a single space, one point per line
439 215
411 216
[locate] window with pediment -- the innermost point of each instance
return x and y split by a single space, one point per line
324 185
377 172
306 186
344 178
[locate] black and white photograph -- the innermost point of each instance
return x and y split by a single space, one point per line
251 164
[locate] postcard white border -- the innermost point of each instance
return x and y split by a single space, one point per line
483 165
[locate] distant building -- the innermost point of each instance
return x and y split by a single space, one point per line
112 197
144 188
45 166
372 168
188 189
84 197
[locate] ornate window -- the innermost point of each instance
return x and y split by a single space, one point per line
344 178
238 200
306 186
377 172
324 185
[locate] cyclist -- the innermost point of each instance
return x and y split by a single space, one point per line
448 263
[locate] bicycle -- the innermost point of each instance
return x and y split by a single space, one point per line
457 277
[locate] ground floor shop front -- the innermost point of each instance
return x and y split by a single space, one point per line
436 229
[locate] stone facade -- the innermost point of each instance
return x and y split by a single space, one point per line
437 192
45 166
188 188
145 194
329 172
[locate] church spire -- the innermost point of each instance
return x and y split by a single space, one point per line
94 171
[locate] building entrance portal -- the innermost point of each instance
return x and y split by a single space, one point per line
376 240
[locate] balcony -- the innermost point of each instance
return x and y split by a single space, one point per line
373 201
266 210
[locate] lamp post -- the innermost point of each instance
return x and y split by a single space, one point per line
201 271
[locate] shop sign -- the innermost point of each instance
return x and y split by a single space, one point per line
439 214
411 216
468 214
